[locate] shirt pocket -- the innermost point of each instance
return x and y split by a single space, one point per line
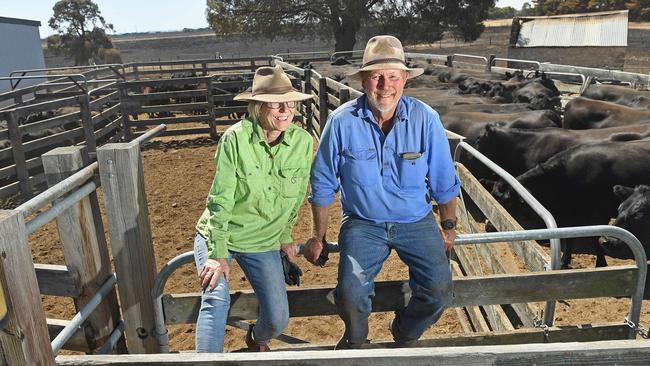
292 180
248 185
360 166
412 170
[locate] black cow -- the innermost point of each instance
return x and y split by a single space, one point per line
576 187
633 216
472 124
516 150
584 113
619 95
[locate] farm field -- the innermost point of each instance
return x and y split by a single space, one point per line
204 44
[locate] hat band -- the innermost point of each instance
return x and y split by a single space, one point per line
276 90
384 61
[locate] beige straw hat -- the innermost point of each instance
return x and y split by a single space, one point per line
271 84
384 53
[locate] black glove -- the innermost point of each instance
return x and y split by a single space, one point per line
291 270
324 255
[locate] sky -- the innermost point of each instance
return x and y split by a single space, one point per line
129 16
126 15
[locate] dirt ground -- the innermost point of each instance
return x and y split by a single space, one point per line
178 175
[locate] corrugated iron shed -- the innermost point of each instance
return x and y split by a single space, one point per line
604 29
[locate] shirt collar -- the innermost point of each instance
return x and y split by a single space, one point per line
257 135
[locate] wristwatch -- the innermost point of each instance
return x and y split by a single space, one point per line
448 224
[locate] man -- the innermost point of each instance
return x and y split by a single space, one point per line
388 155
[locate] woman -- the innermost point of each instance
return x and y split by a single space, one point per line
262 173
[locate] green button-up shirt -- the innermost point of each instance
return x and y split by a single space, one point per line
257 190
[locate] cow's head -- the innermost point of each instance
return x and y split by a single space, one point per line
633 216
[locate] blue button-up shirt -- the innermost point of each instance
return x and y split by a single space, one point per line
384 178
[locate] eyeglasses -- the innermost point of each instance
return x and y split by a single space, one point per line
276 105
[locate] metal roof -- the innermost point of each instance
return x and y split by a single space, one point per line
33 23
574 30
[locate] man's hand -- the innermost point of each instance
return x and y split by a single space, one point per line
448 238
212 271
313 250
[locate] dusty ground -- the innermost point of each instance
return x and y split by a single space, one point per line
178 176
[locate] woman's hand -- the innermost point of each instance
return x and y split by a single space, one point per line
211 272
291 250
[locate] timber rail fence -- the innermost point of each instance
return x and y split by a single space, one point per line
138 324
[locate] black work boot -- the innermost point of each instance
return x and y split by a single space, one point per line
252 345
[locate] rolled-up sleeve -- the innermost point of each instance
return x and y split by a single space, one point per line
324 172
444 184
221 200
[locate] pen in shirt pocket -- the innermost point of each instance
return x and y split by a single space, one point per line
410 155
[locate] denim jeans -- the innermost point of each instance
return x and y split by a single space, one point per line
264 272
364 247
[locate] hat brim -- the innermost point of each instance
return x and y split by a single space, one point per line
413 72
292 96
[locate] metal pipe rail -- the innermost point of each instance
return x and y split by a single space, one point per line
632 242
69 76
160 330
494 60
440 58
150 134
469 56
543 213
57 208
58 190
115 336
83 314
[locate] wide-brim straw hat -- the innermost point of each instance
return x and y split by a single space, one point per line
271 84
384 53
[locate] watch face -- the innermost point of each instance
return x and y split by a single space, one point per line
448 224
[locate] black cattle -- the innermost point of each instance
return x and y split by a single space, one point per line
619 95
584 113
539 93
517 150
576 187
472 124
633 216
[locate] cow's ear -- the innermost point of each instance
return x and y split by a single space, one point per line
623 192
489 128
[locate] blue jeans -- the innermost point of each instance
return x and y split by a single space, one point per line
364 247
264 272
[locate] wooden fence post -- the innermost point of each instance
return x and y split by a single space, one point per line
450 61
84 248
126 110
87 123
19 153
26 340
344 96
322 102
253 67
136 75
210 99
309 112
120 170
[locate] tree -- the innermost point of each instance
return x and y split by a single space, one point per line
81 32
502 13
410 20
639 9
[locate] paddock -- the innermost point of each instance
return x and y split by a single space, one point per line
139 324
